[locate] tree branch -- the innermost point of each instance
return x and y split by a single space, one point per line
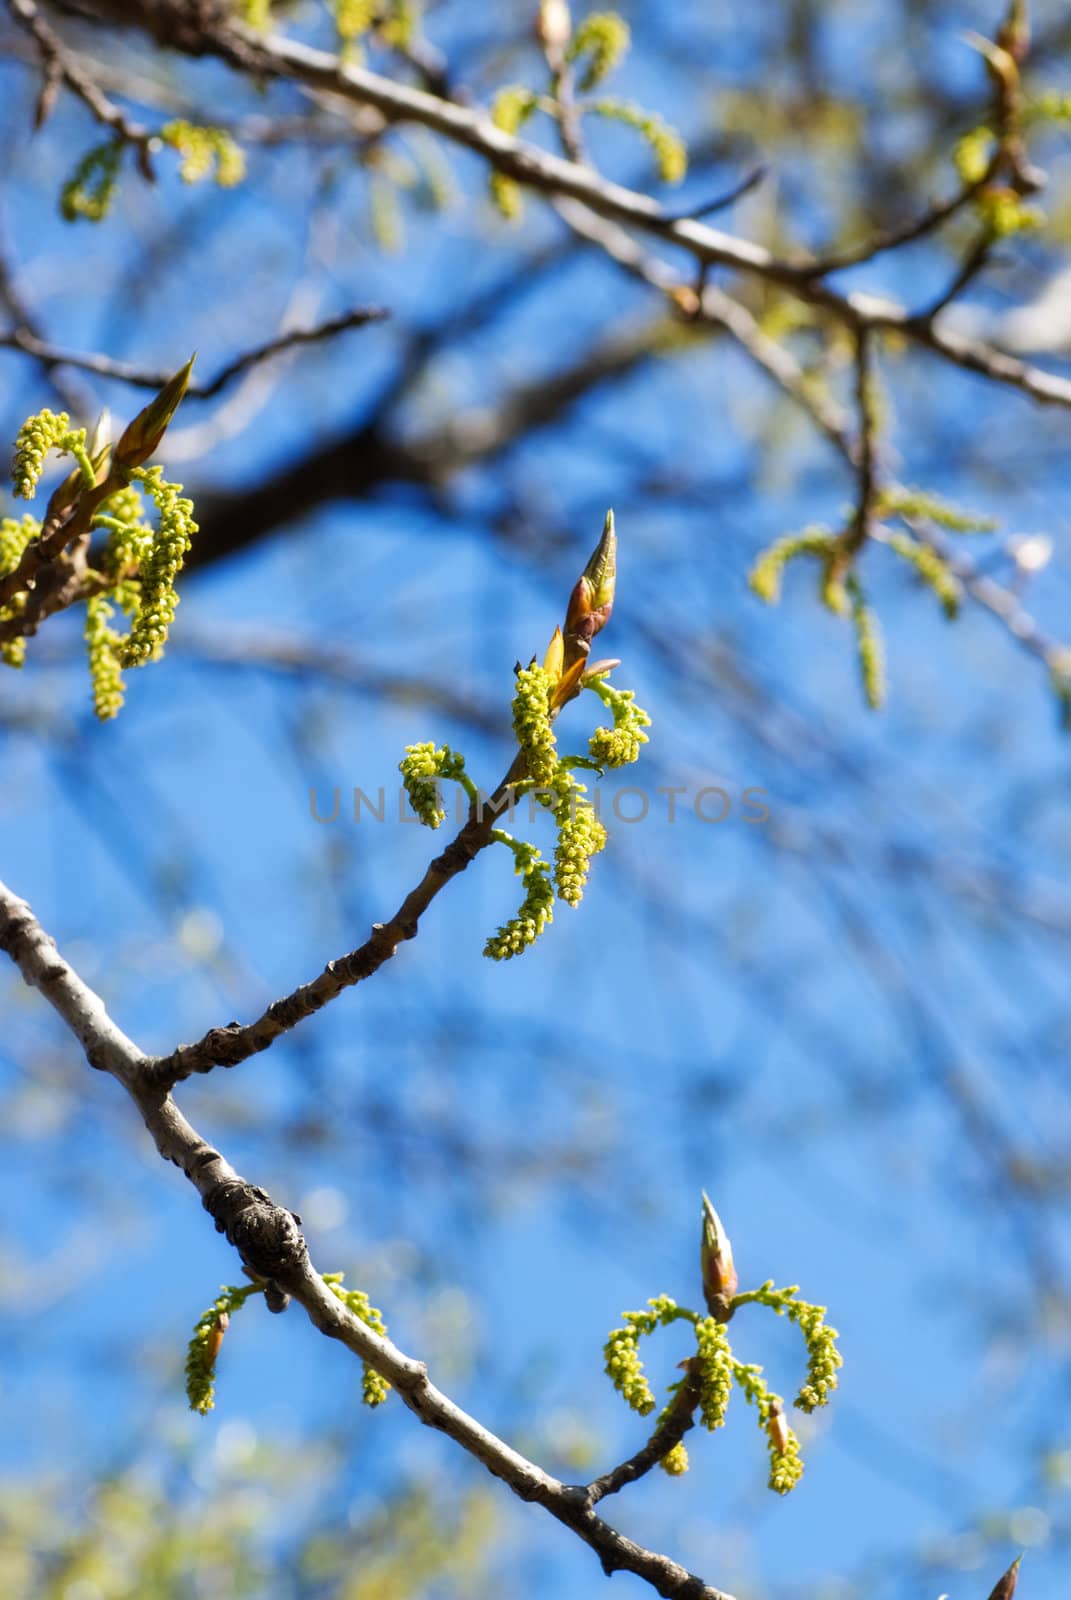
270 1243
30 344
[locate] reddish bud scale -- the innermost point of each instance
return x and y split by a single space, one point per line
777 1427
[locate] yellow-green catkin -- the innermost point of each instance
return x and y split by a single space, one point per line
580 836
422 768
206 152
511 109
48 430
160 568
871 650
715 1372
374 1387
15 534
532 725
90 189
536 910
766 574
102 646
931 568
600 42
204 1346
666 145
620 745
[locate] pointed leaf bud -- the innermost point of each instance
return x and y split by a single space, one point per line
1006 1585
141 437
592 599
554 27
720 1279
1013 34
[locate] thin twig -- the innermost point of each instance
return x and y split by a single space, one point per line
670 1432
141 378
59 62
539 169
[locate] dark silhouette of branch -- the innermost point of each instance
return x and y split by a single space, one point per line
102 366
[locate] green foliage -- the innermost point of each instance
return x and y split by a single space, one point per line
600 43
90 189
136 567
206 152
714 1369
374 1387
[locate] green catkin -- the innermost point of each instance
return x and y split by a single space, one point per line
160 567
511 109
871 650
532 725
621 1351
715 1372
46 431
908 503
667 146
536 910
90 189
255 13
786 1466
374 1387
580 836
766 574
620 745
15 535
422 768
203 1347
206 152
824 1360
601 41
105 672
931 568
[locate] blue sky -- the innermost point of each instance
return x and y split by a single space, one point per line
838 1022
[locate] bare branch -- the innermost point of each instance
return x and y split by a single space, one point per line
270 1243
59 62
140 378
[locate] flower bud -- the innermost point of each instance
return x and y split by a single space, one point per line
716 1256
554 28
141 437
592 599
